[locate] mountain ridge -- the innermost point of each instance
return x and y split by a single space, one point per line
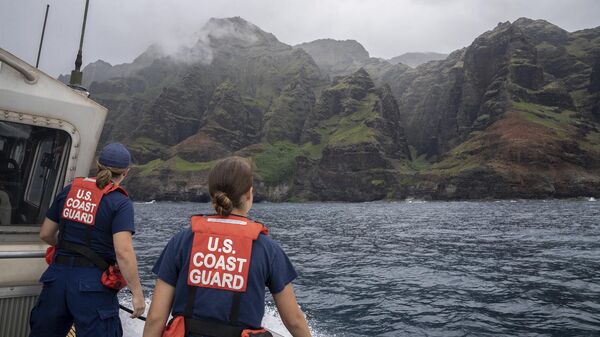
414 59
357 128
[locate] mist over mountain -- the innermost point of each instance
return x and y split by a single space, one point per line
336 57
341 58
415 59
516 114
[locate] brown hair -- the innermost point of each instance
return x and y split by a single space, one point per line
106 174
227 182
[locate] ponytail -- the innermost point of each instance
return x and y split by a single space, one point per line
106 174
228 180
222 204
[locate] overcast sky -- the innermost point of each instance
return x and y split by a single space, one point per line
119 30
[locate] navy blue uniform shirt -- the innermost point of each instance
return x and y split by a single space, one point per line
115 214
269 267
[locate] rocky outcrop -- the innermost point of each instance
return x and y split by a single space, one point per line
230 120
359 128
288 112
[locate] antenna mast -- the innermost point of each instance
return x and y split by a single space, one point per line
76 74
37 63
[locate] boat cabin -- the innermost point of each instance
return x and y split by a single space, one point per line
48 136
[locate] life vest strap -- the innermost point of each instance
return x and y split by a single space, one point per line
86 252
211 327
75 261
191 298
206 327
236 303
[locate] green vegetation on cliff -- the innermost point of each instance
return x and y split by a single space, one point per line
460 158
593 142
145 147
351 129
174 164
276 163
560 121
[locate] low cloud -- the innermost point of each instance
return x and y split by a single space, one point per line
118 31
202 48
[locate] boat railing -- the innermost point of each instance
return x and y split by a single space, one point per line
13 63
22 254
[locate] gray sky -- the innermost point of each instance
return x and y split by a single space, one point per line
119 30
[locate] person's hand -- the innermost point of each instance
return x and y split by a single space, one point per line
139 305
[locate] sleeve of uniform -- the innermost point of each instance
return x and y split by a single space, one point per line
282 270
167 266
53 212
123 220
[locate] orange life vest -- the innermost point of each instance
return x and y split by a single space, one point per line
221 251
83 199
81 206
220 259
81 209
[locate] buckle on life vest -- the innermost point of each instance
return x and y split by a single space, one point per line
256 333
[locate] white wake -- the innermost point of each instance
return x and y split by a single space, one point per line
271 320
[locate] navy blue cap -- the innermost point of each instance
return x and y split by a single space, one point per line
115 155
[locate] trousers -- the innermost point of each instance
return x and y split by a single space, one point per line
74 295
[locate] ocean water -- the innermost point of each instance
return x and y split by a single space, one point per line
494 268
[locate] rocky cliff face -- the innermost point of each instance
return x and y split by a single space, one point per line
515 114
358 128
472 88
288 112
509 116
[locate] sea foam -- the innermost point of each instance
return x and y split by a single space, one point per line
271 320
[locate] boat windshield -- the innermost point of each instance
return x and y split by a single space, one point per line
33 163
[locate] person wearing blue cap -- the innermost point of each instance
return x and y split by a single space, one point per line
89 227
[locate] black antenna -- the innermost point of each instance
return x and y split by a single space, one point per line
76 74
37 63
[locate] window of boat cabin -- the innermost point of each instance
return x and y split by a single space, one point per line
33 164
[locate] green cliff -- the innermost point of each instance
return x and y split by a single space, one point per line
515 114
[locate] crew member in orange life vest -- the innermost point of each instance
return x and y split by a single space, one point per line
96 214
212 275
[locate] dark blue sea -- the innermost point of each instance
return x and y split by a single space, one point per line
494 268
